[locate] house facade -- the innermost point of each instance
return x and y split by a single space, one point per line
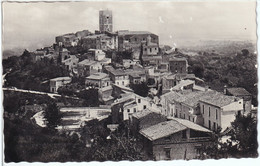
98 79
219 110
88 67
55 83
175 139
119 77
178 65
241 93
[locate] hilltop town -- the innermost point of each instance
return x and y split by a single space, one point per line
123 95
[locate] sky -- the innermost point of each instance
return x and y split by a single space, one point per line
34 25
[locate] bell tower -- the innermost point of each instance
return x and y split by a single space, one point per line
105 21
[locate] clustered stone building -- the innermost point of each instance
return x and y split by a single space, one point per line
175 125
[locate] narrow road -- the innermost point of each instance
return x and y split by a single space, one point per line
52 95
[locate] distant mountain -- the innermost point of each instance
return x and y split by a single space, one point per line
12 52
222 47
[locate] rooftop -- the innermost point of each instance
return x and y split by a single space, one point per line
97 76
94 36
145 112
60 78
190 98
87 62
238 91
218 99
162 129
120 33
118 72
168 128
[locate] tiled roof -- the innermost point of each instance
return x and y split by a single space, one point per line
218 99
191 125
61 78
190 98
162 129
94 36
87 62
120 33
168 128
238 91
141 114
118 72
97 76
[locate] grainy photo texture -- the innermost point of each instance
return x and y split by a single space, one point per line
113 81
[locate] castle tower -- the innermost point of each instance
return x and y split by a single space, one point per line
105 21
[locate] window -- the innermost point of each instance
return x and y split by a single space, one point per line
123 83
134 109
189 118
209 111
193 119
183 116
117 83
144 106
203 109
139 100
135 39
209 124
214 126
239 113
167 153
180 115
216 114
150 49
155 48
184 134
128 110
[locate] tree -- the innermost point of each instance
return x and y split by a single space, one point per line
245 52
141 89
198 70
245 134
240 142
52 115
90 97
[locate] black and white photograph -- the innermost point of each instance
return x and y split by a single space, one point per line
129 81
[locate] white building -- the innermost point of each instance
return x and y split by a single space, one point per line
55 83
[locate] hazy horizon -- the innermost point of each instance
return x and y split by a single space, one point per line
34 25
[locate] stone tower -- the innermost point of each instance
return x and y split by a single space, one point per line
105 21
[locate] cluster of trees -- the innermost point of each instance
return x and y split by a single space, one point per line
25 73
240 142
141 89
234 71
25 141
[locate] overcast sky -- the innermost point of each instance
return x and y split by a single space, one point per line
33 25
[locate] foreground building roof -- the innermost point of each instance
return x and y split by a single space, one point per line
168 128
